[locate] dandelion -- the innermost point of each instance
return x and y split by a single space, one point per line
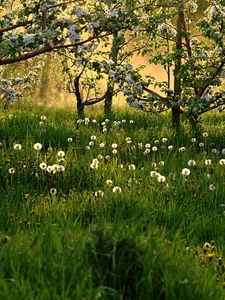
43 118
87 147
102 145
193 140
91 144
61 153
201 145
222 162
154 174
182 149
131 121
214 151
94 121
131 167
109 182
121 166
117 189
17 147
205 134
185 172
106 120
99 193
12 170
60 168
140 146
107 157
147 151
93 137
162 163
161 178
170 147
104 130
41 123
49 169
114 146
147 146
53 191
43 166
191 163
124 121
114 152
100 157
164 140
50 149
69 140
128 140
223 151
208 162
212 187
37 146
154 149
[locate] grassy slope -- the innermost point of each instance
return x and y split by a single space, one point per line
143 243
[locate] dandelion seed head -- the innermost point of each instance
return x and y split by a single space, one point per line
117 189
17 147
12 170
191 163
37 146
185 172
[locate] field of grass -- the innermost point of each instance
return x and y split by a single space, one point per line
122 208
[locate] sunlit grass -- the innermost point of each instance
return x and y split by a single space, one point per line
97 223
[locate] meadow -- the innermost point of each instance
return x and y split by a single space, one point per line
117 208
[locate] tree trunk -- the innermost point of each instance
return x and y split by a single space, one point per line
110 86
80 104
176 111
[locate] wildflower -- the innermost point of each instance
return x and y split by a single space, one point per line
91 144
41 123
99 193
147 146
161 178
185 172
154 174
162 163
37 146
107 157
12 170
61 154
124 121
222 162
104 129
114 152
102 145
128 140
193 140
50 149
93 137
17 147
154 149
100 157
201 145
94 121
114 145
60 168
223 151
117 189
53 191
191 163
147 151
164 140
212 187
205 134
43 118
131 167
109 182
214 151
121 166
43 166
208 162
106 120
131 122
170 147
88 147
181 149
69 140
140 145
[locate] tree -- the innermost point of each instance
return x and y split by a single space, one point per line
195 57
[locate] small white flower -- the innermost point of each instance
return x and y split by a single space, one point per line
91 143
61 153
37 146
131 121
12 170
99 193
114 146
222 162
102 145
100 157
185 172
147 146
191 163
212 187
131 167
147 151
43 118
53 191
170 147
17 147
43 166
182 149
164 140
208 162
109 182
201 145
107 157
69 140
223 151
61 168
214 151
88 147
205 134
193 140
117 189
154 174
156 141
93 137
161 179
154 149
114 152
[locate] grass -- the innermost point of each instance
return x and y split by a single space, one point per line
67 235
